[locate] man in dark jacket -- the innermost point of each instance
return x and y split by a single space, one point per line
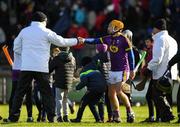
95 82
173 61
64 65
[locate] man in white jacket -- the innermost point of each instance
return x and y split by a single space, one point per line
33 44
164 48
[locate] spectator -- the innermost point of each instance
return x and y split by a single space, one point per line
103 64
149 94
64 22
164 48
95 83
64 65
61 13
156 8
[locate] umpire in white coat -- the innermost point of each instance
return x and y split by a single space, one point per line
164 48
33 43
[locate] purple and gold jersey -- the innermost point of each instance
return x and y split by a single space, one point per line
118 47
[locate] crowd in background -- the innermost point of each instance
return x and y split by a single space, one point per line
71 18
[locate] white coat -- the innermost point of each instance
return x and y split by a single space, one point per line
164 48
33 44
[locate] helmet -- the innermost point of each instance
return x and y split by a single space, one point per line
127 33
117 24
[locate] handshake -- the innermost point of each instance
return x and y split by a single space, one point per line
80 40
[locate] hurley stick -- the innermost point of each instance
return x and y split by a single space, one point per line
8 57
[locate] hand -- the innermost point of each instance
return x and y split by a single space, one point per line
132 75
80 40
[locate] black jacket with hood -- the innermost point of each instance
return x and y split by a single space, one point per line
64 65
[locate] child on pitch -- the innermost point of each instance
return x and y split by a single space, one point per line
103 61
64 65
122 66
95 82
149 95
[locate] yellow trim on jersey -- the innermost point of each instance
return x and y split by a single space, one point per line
125 76
101 39
128 49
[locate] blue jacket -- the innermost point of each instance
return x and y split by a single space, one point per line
92 78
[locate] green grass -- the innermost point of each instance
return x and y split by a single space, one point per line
88 120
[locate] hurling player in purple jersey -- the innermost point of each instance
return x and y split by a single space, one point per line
122 65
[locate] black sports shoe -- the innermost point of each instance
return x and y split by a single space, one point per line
75 120
30 119
150 119
99 121
117 120
65 118
130 117
43 119
110 119
59 119
38 119
168 118
7 120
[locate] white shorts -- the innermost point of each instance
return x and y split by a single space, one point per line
118 76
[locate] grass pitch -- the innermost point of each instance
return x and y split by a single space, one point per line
88 119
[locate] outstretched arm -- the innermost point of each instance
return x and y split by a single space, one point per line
83 82
93 40
131 59
100 40
60 41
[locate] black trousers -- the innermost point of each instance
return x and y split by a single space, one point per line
163 108
149 99
90 98
47 97
28 100
108 104
101 107
38 102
